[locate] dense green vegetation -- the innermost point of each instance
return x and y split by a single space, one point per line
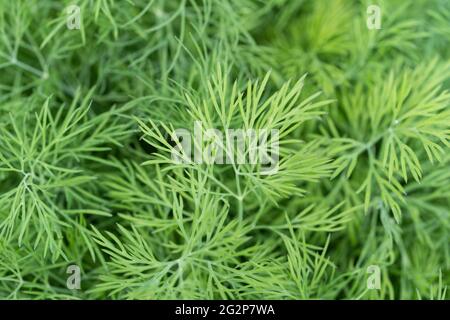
86 130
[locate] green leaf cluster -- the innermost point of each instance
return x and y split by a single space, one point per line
87 122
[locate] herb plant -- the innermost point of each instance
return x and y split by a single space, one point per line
87 122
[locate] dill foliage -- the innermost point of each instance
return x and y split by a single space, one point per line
87 120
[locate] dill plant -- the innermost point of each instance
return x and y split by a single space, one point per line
87 119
